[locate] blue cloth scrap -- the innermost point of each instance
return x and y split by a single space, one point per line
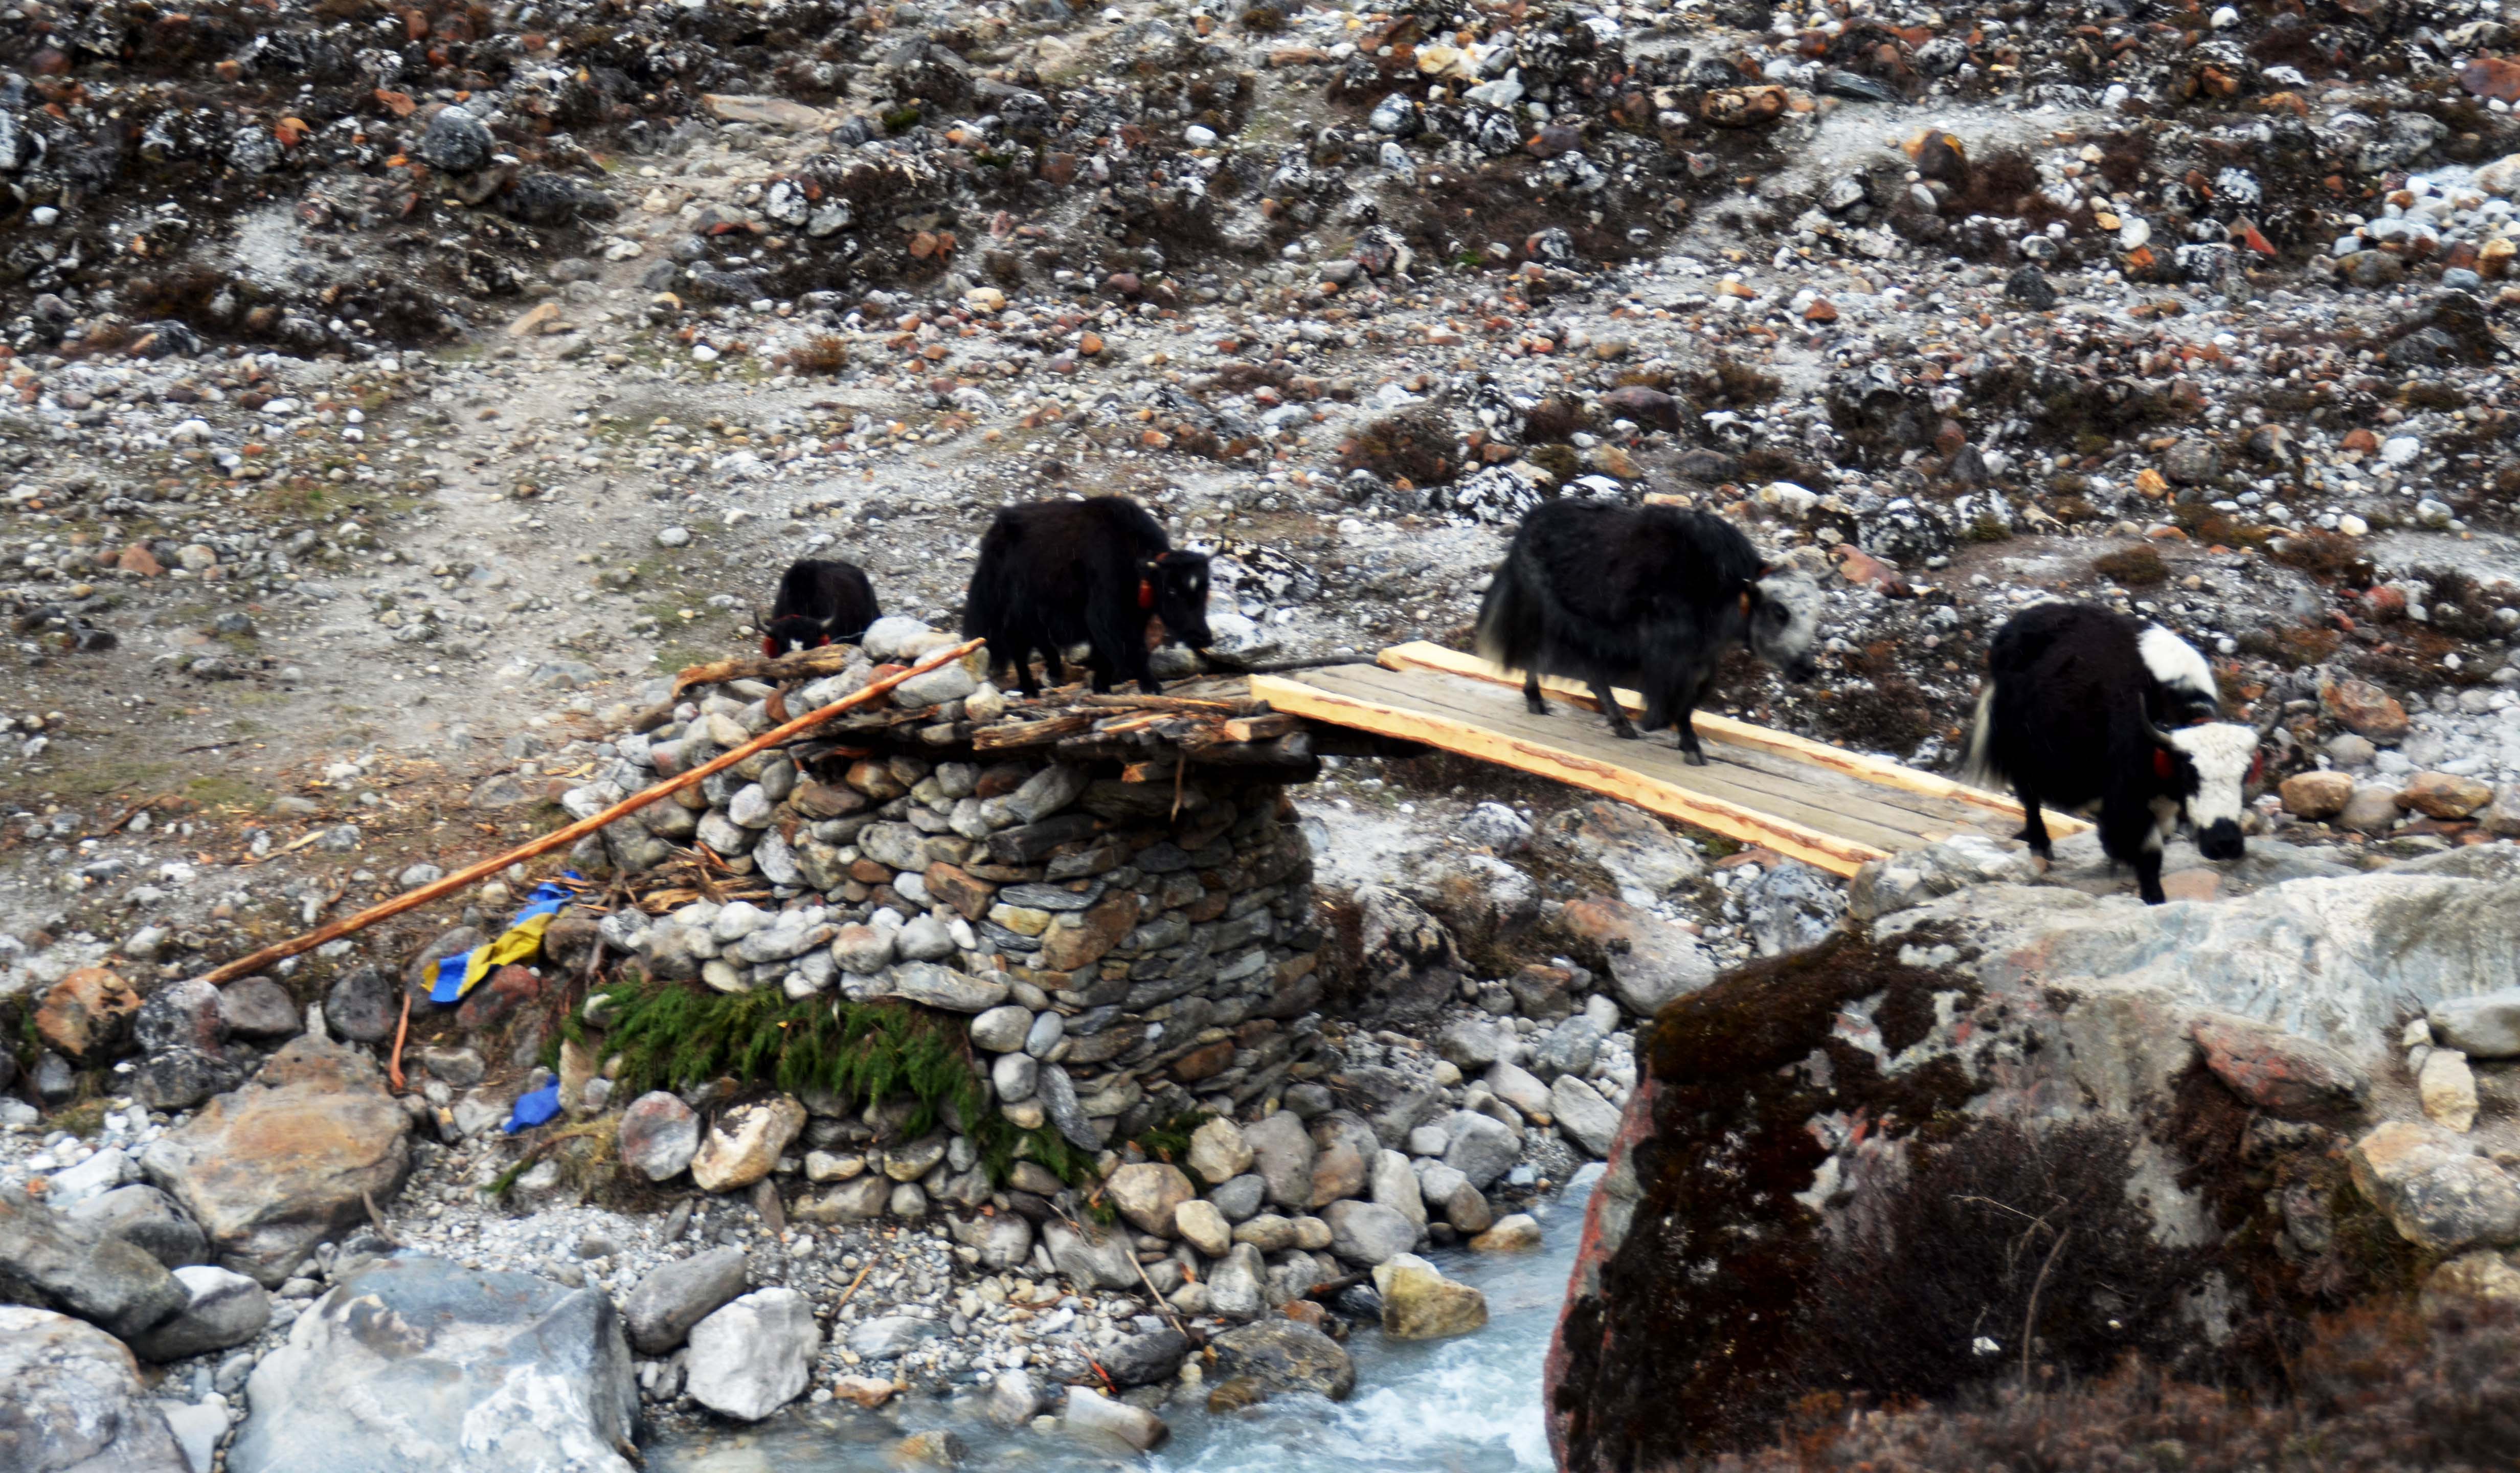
535 1108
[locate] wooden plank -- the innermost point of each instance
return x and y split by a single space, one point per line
1808 794
1826 810
1824 851
1720 728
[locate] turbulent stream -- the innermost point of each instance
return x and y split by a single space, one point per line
1464 1405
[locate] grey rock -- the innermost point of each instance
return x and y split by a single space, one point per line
2485 1027
1047 792
226 1309
1098 1417
261 1009
1395 1185
1567 1048
1482 1149
457 142
1146 1358
199 1427
360 1005
101 1172
925 938
753 1355
48 1261
1791 906
1285 1355
1014 1076
658 1135
413 1364
945 988
1057 1095
1584 1118
1282 1151
146 1218
1014 1400
72 1402
1368 1232
1497 827
1234 1290
1091 1255
887 1336
1239 1197
1003 1028
1516 1087
659 1315
1469 1044
1218 1151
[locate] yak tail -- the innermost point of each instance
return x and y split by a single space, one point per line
1978 769
1509 620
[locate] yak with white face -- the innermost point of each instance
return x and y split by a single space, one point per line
1651 599
2084 705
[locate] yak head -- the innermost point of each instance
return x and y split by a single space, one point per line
2208 767
792 631
1785 622
1174 588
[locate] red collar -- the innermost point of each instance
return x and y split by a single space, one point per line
1145 593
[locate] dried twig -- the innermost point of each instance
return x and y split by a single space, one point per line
2029 1316
402 1030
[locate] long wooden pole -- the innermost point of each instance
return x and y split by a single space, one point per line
411 900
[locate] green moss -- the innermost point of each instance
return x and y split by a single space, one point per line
1169 1140
676 1035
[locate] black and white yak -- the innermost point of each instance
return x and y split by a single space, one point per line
2084 705
819 600
1058 573
1651 599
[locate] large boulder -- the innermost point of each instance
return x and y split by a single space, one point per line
754 1356
287 1161
414 1366
1411 966
667 1303
1282 1356
72 1402
744 1143
227 1309
49 1261
1419 1302
1864 1167
1651 961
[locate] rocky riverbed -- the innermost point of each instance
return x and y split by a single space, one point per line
394 396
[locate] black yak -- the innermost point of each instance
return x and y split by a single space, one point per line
1058 573
819 600
1652 599
2084 705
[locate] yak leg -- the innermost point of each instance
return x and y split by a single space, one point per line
1531 698
2129 834
1020 656
1689 750
1620 726
2034 827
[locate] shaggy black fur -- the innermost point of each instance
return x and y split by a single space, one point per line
820 600
2068 718
1056 573
1651 599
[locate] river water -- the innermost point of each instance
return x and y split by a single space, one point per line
1464 1405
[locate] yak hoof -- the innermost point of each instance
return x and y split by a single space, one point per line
1535 705
1626 733
1693 759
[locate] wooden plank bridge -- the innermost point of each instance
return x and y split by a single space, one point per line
1806 799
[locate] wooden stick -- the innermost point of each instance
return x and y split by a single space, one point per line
402 1030
559 838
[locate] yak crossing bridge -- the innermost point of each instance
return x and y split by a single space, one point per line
1832 808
